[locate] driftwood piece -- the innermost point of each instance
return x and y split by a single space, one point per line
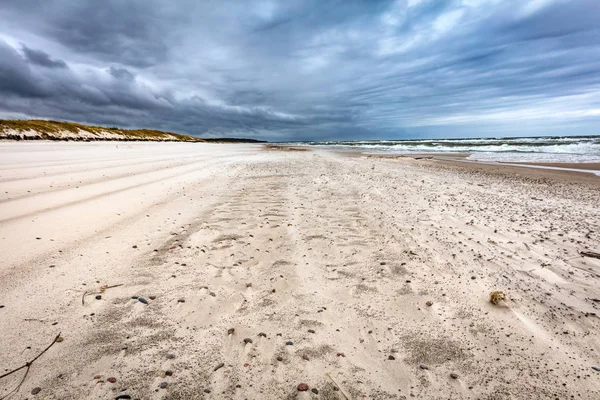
27 365
592 254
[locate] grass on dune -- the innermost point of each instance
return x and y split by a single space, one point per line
53 129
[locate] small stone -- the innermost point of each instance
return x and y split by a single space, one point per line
168 373
473 277
382 263
112 379
134 246
170 356
408 281
36 390
219 366
423 366
315 390
98 297
303 387
305 357
247 340
230 331
249 284
289 343
181 301
454 375
213 294
429 303
59 339
123 397
391 358
163 385
341 355
152 297
596 368
142 300
311 331
279 358
134 297
206 390
97 376
262 334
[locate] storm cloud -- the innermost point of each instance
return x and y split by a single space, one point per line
306 70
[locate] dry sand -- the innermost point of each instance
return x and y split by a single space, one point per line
338 255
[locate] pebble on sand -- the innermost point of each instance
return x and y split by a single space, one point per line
311 331
289 343
98 297
163 385
315 390
123 397
230 331
181 301
36 390
170 356
454 375
112 379
303 387
142 300
429 303
247 340
423 366
168 373
152 297
391 358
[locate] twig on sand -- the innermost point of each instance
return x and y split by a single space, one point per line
338 386
27 365
592 254
100 291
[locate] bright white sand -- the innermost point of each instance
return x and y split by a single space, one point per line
280 243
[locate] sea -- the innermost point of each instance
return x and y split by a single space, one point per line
550 149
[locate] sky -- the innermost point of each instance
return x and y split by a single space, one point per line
306 69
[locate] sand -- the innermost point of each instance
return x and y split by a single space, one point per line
337 255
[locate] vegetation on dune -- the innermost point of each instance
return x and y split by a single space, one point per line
53 130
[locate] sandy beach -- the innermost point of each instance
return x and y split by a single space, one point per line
237 271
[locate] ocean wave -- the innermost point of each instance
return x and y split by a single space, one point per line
543 149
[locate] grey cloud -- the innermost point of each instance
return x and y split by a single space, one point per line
121 73
303 69
40 58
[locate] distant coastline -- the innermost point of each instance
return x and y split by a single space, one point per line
71 131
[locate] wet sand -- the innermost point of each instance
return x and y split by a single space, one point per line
359 276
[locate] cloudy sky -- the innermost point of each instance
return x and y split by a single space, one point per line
306 69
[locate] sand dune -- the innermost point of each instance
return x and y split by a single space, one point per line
321 263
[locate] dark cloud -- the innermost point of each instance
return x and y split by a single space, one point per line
305 69
38 57
121 73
